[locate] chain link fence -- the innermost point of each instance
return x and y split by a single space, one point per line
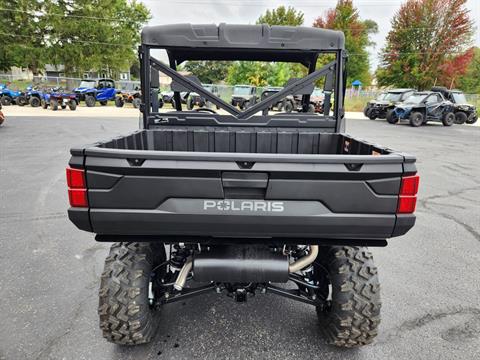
355 99
19 82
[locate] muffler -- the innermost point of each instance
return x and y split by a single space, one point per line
240 264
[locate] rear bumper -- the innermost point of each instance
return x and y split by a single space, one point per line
187 217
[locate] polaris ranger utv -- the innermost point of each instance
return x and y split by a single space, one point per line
236 203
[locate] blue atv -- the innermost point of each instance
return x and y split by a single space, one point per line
31 96
7 96
91 91
56 98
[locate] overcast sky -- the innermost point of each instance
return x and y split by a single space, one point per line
247 11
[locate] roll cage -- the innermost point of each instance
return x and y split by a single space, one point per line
302 45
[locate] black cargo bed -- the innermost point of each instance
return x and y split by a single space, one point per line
230 183
243 140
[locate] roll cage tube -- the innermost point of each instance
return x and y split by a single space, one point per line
264 50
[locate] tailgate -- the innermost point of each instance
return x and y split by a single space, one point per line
133 192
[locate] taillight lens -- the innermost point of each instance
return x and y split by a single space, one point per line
77 187
407 199
78 197
409 185
76 178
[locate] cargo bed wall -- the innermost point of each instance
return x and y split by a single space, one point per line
243 140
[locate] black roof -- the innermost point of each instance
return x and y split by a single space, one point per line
400 90
242 42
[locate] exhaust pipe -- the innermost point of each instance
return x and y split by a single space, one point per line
304 261
183 274
242 264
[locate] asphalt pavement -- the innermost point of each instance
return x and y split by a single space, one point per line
50 270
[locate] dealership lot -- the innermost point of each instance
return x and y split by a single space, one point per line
50 270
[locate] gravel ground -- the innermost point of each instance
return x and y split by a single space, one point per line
50 270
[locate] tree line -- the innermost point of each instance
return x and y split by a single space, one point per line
81 35
429 42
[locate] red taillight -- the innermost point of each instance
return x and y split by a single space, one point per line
76 178
77 187
407 199
409 185
406 204
78 197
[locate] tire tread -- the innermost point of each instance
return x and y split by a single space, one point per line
125 315
355 309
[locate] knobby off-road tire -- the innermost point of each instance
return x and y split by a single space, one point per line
136 103
190 103
126 316
90 101
119 102
366 110
416 119
460 118
448 119
6 100
54 105
353 315
34 101
391 117
288 107
72 105
21 100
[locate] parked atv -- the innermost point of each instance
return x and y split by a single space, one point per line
464 112
8 96
244 96
422 107
91 91
384 104
132 96
32 96
56 98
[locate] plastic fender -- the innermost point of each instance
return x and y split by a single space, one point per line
106 94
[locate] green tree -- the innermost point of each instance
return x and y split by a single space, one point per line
24 28
274 74
209 72
425 35
345 17
282 16
83 38
82 35
248 72
470 81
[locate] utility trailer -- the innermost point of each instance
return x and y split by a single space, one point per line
241 202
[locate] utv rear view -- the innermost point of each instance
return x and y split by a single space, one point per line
241 201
